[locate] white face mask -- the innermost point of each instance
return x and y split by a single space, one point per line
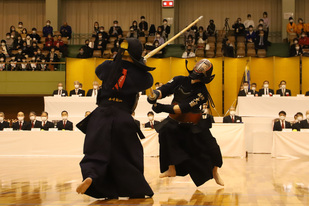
1 119
64 117
232 113
253 88
44 118
299 118
95 86
205 111
283 86
245 87
266 85
150 118
76 86
20 118
282 117
60 88
32 118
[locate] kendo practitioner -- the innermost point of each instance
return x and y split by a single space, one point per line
113 163
186 143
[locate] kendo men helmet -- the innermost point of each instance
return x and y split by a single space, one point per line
202 71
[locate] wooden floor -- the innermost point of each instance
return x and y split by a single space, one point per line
258 180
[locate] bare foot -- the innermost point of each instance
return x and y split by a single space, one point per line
218 179
171 172
81 189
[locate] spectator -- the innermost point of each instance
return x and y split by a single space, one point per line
49 42
13 32
151 122
46 125
28 41
117 43
249 22
152 30
239 28
115 30
253 88
104 33
24 31
261 26
35 36
283 91
39 54
304 124
48 29
300 27
251 35
291 26
232 118
81 54
281 123
18 43
20 27
228 48
87 113
42 66
24 65
32 65
304 40
20 124
296 50
245 89
34 48
201 36
143 26
266 90
87 50
165 29
60 45
53 57
19 56
2 63
3 123
4 48
96 28
65 124
60 90
94 91
77 90
190 41
261 41
188 53
33 122
66 30
9 41
12 66
266 22
132 33
298 118
159 38
159 54
194 29
211 28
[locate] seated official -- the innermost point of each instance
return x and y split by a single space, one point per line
3 123
307 93
304 124
265 90
245 90
45 123
77 90
65 124
94 91
20 124
232 118
253 88
151 122
137 122
283 91
60 90
298 118
207 116
33 122
281 124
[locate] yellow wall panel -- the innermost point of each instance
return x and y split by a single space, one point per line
305 74
262 69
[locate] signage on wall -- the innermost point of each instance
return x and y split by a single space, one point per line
167 4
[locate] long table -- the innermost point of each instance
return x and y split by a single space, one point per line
230 137
290 144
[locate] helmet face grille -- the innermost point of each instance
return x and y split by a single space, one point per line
202 66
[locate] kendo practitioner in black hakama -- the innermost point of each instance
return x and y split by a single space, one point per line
113 165
186 143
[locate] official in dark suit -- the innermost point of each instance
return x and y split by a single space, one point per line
151 122
297 124
307 93
65 124
45 123
245 90
77 90
165 28
20 124
304 124
232 118
60 91
33 122
281 123
253 88
283 91
94 91
3 124
265 90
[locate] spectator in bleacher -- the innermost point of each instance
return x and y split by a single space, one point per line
104 33
253 88
48 29
3 123
117 43
194 29
245 89
12 66
143 26
261 26
115 30
20 27
60 45
251 35
295 50
2 63
190 41
152 122
248 22
18 43
2 55
24 31
261 41
291 26
132 33
9 41
283 91
266 90
201 36
65 124
13 32
92 43
281 123
232 118
34 35
96 27
39 54
87 51
304 124
239 28
152 30
49 42
188 53
166 29
4 48
25 49
60 90
19 56
227 48
34 48
304 40
300 27
155 45
28 40
81 54
266 22
24 65
53 57
32 66
298 117
66 30
77 90
135 27
211 28
46 125
94 91
34 123
20 124
159 38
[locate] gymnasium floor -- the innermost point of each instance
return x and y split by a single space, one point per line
258 180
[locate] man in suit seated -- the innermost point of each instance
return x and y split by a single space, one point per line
283 91
281 123
20 124
33 122
60 90
266 90
304 124
253 88
296 125
65 124
77 90
137 122
232 118
307 93
151 122
94 91
45 123
245 90
3 123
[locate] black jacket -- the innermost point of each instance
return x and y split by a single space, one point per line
278 126
80 91
25 126
147 125
4 124
261 91
89 93
68 125
47 125
64 93
304 124
228 119
279 91
37 124
242 92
